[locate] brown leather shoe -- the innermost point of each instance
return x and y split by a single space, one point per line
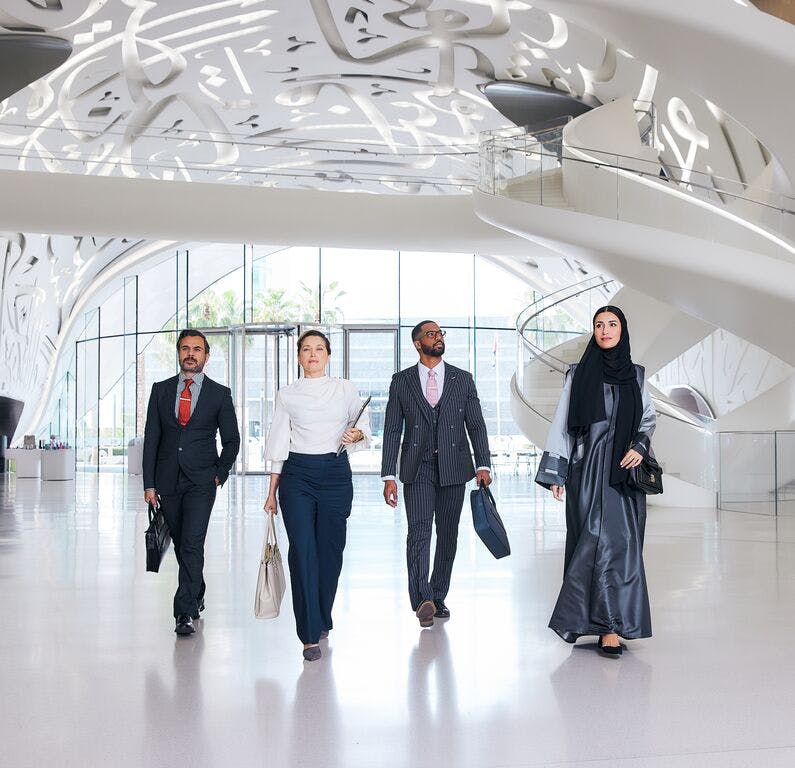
425 613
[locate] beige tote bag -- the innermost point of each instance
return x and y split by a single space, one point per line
270 581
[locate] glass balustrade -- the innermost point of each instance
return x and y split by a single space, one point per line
541 168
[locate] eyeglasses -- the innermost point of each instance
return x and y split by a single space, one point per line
434 334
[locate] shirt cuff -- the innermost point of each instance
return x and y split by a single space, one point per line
483 469
389 477
276 467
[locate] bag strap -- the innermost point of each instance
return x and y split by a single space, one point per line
270 531
484 487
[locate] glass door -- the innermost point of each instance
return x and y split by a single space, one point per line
262 361
371 355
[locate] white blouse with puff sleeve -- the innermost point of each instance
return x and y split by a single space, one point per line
310 416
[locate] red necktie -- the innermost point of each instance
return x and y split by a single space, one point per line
184 404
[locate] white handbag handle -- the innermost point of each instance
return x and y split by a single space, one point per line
272 528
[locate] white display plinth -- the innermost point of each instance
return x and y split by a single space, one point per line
58 464
135 456
27 463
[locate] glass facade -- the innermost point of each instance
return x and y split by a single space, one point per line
253 302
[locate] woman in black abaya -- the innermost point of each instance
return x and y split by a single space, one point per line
602 428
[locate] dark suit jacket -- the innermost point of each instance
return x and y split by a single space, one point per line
168 447
409 414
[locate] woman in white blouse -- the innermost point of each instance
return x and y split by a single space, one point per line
311 418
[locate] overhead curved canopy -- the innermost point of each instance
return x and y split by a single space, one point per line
533 106
24 58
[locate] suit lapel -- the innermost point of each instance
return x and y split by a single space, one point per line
413 374
450 382
168 394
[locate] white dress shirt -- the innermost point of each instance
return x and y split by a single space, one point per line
423 370
310 416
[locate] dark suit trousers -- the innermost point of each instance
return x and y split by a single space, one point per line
426 500
315 494
187 512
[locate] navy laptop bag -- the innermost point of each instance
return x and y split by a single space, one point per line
488 524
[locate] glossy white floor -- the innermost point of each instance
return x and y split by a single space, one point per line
93 674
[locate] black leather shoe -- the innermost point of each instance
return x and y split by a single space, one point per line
201 608
442 611
184 625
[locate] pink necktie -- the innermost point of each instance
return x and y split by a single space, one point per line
431 390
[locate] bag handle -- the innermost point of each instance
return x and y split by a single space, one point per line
484 487
270 532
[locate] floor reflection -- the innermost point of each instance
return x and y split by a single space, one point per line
174 719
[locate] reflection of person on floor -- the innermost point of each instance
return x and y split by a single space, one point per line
181 466
310 420
601 429
183 700
430 406
432 702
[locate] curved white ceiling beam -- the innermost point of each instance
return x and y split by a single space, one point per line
733 55
181 211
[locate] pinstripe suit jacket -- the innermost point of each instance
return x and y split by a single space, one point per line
409 415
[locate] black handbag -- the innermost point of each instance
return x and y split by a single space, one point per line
646 477
157 538
487 522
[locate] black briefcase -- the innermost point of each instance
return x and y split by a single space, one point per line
157 537
488 524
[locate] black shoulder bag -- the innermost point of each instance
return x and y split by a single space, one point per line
646 477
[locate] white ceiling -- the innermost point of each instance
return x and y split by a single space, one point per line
355 95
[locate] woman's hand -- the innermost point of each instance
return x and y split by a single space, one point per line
352 435
271 507
632 459
557 492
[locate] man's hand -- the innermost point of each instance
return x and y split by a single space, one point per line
150 497
557 492
390 492
484 476
217 482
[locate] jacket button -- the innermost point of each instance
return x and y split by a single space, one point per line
415 445
180 449
453 444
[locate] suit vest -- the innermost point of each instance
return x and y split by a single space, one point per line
433 443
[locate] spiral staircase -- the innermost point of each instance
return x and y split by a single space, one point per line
690 254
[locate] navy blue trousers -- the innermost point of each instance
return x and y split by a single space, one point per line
315 495
187 512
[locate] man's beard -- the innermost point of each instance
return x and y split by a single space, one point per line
190 367
432 351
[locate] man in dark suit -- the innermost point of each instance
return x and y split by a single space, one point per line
430 405
182 468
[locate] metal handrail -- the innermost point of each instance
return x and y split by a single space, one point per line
655 176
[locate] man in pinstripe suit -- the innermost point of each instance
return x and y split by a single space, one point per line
430 405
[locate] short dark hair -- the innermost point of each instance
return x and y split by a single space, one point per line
193 332
416 330
314 332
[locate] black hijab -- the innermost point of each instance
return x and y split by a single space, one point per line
587 404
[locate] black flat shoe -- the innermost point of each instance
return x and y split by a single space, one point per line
611 651
184 625
442 611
